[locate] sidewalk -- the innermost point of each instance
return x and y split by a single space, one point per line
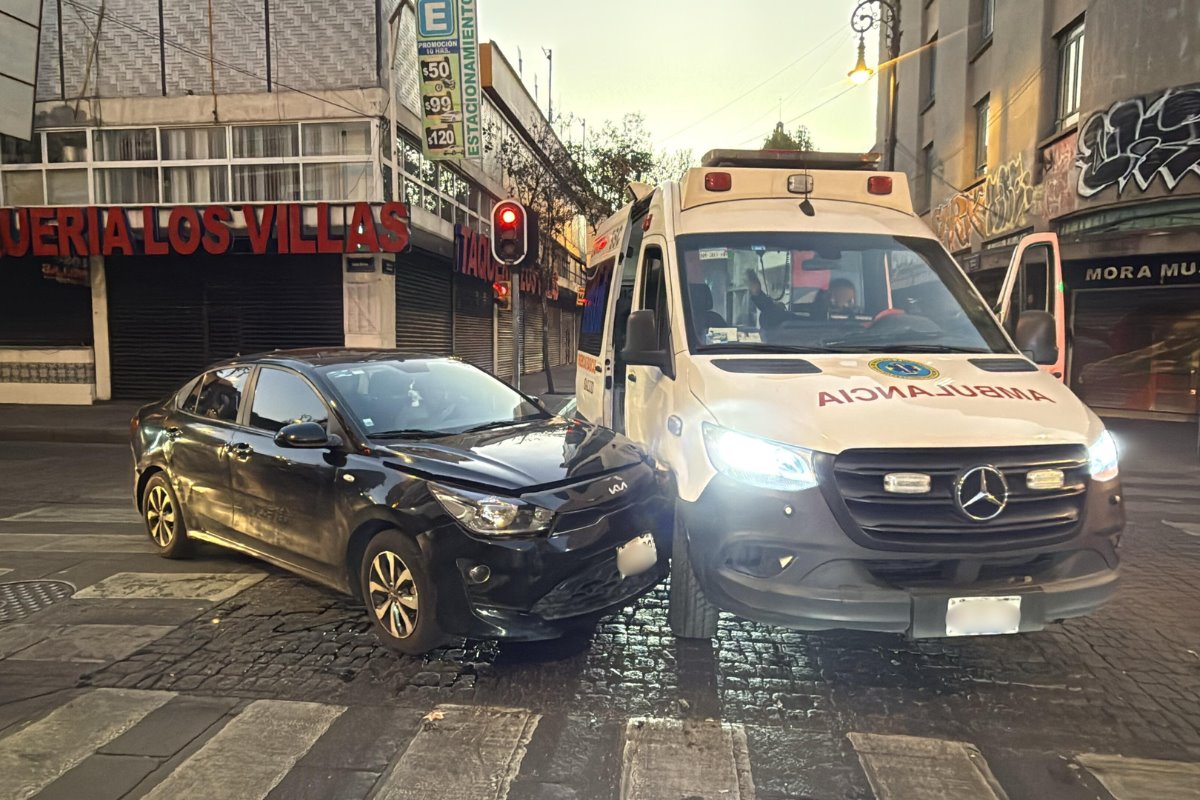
108 422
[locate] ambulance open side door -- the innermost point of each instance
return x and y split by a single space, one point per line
1032 308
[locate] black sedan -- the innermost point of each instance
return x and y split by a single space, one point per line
449 503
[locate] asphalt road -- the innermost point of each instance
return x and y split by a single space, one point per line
147 678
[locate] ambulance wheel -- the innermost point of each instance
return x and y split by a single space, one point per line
690 614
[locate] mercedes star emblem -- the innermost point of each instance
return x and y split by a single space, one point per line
981 493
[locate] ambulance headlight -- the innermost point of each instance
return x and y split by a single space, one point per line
1102 457
759 462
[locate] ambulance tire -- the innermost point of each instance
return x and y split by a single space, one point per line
690 614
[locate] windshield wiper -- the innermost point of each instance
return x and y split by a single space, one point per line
503 423
882 346
407 433
760 347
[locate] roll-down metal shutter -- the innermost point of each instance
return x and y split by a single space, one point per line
169 319
473 335
533 321
423 306
553 326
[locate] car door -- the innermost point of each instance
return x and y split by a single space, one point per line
1034 283
283 496
199 435
650 390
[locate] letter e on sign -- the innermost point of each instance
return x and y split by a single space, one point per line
436 18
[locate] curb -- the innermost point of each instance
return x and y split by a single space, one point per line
64 435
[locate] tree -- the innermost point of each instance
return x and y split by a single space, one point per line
620 154
780 139
541 173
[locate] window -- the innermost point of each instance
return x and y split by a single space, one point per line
137 144
282 398
179 144
221 393
265 141
927 167
1070 71
266 182
596 292
23 189
66 147
337 139
127 186
337 181
67 187
1034 288
19 151
931 77
987 19
654 294
197 184
982 112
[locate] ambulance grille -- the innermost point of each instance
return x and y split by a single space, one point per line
933 520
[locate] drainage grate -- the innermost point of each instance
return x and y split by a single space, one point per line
21 598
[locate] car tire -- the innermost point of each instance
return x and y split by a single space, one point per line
404 617
163 515
690 614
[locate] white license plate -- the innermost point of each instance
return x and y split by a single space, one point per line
983 616
637 555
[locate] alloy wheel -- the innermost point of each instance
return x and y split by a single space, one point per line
160 516
393 594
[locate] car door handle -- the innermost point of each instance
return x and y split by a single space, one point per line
631 378
241 451
174 433
599 369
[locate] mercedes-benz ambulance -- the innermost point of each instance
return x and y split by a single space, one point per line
854 439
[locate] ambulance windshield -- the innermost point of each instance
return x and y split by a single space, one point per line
830 292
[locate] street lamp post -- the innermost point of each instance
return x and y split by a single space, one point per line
885 14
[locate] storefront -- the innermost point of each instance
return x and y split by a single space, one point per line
1135 333
129 303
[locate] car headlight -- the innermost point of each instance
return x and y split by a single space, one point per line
1102 458
491 515
758 462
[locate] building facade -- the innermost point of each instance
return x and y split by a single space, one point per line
207 179
1081 118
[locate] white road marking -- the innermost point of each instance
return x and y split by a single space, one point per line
68 513
1190 528
75 543
463 752
36 755
667 759
903 767
251 754
212 587
4 570
1144 778
89 642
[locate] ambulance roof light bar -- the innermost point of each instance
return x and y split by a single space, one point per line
791 159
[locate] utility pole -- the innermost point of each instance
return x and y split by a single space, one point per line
549 86
884 14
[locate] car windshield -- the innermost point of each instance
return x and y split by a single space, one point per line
420 398
829 292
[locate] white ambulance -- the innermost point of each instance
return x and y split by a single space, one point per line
855 441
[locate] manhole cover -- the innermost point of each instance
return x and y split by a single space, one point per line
22 598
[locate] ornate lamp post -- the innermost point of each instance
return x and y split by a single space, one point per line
885 14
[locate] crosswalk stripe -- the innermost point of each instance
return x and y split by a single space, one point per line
67 513
252 753
902 767
461 752
667 759
1144 778
33 757
212 587
109 543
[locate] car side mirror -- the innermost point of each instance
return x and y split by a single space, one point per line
641 343
306 434
1036 336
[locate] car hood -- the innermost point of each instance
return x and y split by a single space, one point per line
851 402
526 456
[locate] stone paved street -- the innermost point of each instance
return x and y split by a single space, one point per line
1043 712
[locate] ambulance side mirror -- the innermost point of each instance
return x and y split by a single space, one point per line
1036 336
641 343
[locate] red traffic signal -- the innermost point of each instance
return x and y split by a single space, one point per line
510 232
503 290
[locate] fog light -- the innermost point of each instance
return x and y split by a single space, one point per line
479 573
1045 479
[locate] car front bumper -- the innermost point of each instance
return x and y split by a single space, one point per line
785 559
541 587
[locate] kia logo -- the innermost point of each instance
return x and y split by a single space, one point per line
617 488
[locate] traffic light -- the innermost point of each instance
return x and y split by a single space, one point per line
510 232
503 290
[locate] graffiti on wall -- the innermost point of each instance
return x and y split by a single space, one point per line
1058 192
1001 203
1141 139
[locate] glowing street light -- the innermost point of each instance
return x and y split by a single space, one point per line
861 72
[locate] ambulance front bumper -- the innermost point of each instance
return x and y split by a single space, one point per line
788 559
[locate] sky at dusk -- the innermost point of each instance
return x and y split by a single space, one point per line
704 74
